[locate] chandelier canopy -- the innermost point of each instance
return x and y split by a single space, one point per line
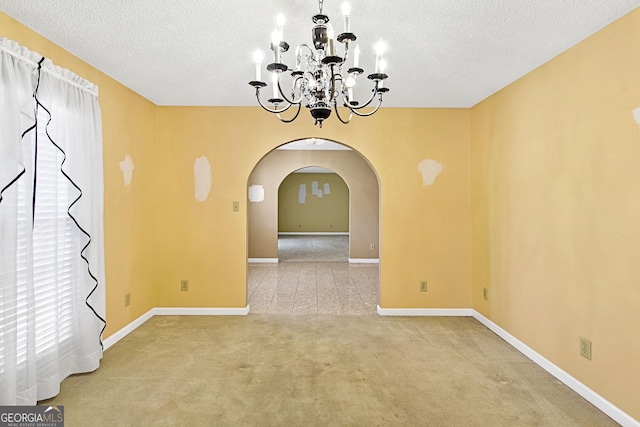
319 82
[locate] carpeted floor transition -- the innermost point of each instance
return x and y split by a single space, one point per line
269 370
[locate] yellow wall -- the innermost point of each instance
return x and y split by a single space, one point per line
129 127
425 232
556 210
329 213
545 173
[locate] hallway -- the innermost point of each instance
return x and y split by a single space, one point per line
302 288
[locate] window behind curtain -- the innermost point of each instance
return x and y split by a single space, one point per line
56 248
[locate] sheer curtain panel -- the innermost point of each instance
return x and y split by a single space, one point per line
52 294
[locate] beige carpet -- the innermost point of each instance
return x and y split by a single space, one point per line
268 370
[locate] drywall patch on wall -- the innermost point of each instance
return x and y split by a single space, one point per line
302 194
430 169
256 193
327 188
202 177
314 188
636 115
127 167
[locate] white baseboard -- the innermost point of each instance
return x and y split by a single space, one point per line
114 338
364 261
200 311
427 312
313 233
591 396
171 311
263 260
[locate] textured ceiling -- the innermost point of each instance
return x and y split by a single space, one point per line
442 53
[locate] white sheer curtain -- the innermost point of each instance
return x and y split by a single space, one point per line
52 295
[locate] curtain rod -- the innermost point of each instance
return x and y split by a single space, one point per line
20 53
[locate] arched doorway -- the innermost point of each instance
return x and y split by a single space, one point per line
262 220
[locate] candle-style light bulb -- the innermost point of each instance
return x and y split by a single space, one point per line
257 58
356 56
346 11
275 41
379 48
349 84
331 51
350 81
382 65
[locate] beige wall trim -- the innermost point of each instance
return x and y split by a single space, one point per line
313 233
364 261
263 260
594 398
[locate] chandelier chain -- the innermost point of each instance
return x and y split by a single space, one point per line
320 4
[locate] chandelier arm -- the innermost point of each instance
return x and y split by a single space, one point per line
370 113
274 111
333 84
311 53
344 122
299 101
373 95
336 77
293 118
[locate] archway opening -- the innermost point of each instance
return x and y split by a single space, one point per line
305 287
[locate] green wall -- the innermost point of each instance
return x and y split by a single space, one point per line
329 213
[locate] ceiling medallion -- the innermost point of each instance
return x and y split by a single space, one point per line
319 82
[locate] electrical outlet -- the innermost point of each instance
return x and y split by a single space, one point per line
236 206
423 286
372 246
184 285
127 299
585 348
485 293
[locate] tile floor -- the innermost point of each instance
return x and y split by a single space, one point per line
313 248
313 288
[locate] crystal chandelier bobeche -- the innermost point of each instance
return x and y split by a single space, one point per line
318 81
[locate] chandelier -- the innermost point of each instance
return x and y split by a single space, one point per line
319 82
